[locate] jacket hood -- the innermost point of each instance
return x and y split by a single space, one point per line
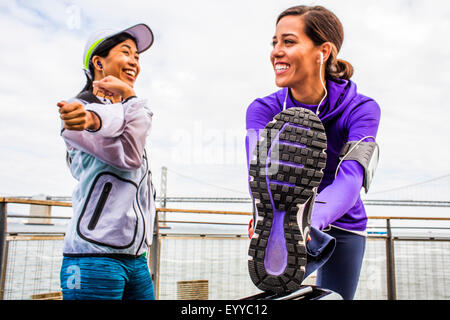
340 94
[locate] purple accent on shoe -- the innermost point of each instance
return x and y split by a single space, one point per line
293 144
275 258
282 183
296 126
266 167
286 163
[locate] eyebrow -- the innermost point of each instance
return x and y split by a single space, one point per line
284 35
289 34
125 45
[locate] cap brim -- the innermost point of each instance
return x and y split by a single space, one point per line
140 32
143 35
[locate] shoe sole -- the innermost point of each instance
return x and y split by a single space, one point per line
285 172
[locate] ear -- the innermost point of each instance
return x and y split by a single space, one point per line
325 48
97 62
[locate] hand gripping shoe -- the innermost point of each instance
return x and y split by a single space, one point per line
285 172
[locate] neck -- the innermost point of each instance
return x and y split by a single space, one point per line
309 93
311 90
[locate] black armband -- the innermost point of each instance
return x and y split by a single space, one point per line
366 154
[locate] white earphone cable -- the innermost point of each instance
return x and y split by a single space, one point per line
350 151
285 99
323 84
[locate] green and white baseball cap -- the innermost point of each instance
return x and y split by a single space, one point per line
141 32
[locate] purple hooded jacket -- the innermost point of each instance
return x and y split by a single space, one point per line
346 116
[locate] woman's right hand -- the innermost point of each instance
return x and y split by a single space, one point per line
113 86
76 117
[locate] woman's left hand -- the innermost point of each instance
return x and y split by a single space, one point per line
113 86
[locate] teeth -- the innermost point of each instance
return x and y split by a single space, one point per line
280 67
130 72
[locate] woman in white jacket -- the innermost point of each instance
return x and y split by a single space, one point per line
105 128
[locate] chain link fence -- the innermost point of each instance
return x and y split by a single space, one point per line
421 267
31 266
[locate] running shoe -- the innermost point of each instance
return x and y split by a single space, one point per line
285 172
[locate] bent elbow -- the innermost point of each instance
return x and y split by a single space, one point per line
132 162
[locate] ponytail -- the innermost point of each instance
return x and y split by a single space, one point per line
344 69
338 68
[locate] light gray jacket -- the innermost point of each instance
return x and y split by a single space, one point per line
113 202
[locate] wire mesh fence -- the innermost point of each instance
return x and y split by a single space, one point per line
30 264
222 261
373 278
33 265
422 269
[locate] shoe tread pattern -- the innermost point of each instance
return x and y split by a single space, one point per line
289 186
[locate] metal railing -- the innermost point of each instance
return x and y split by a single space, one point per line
202 251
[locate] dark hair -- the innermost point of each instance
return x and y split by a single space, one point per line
103 50
321 25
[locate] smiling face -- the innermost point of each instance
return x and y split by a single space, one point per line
121 62
294 56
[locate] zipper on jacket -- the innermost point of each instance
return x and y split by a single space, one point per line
99 208
137 202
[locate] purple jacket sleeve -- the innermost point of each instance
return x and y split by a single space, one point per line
341 195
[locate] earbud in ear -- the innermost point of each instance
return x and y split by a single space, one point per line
321 58
99 64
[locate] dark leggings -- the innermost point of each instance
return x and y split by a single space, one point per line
341 272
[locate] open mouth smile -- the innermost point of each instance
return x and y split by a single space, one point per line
130 73
281 67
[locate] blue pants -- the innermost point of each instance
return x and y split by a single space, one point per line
96 278
341 272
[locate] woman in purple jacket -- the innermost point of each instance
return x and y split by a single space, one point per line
315 85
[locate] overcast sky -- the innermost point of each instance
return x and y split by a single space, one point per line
209 61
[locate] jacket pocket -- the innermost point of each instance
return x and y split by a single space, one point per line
99 208
108 217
